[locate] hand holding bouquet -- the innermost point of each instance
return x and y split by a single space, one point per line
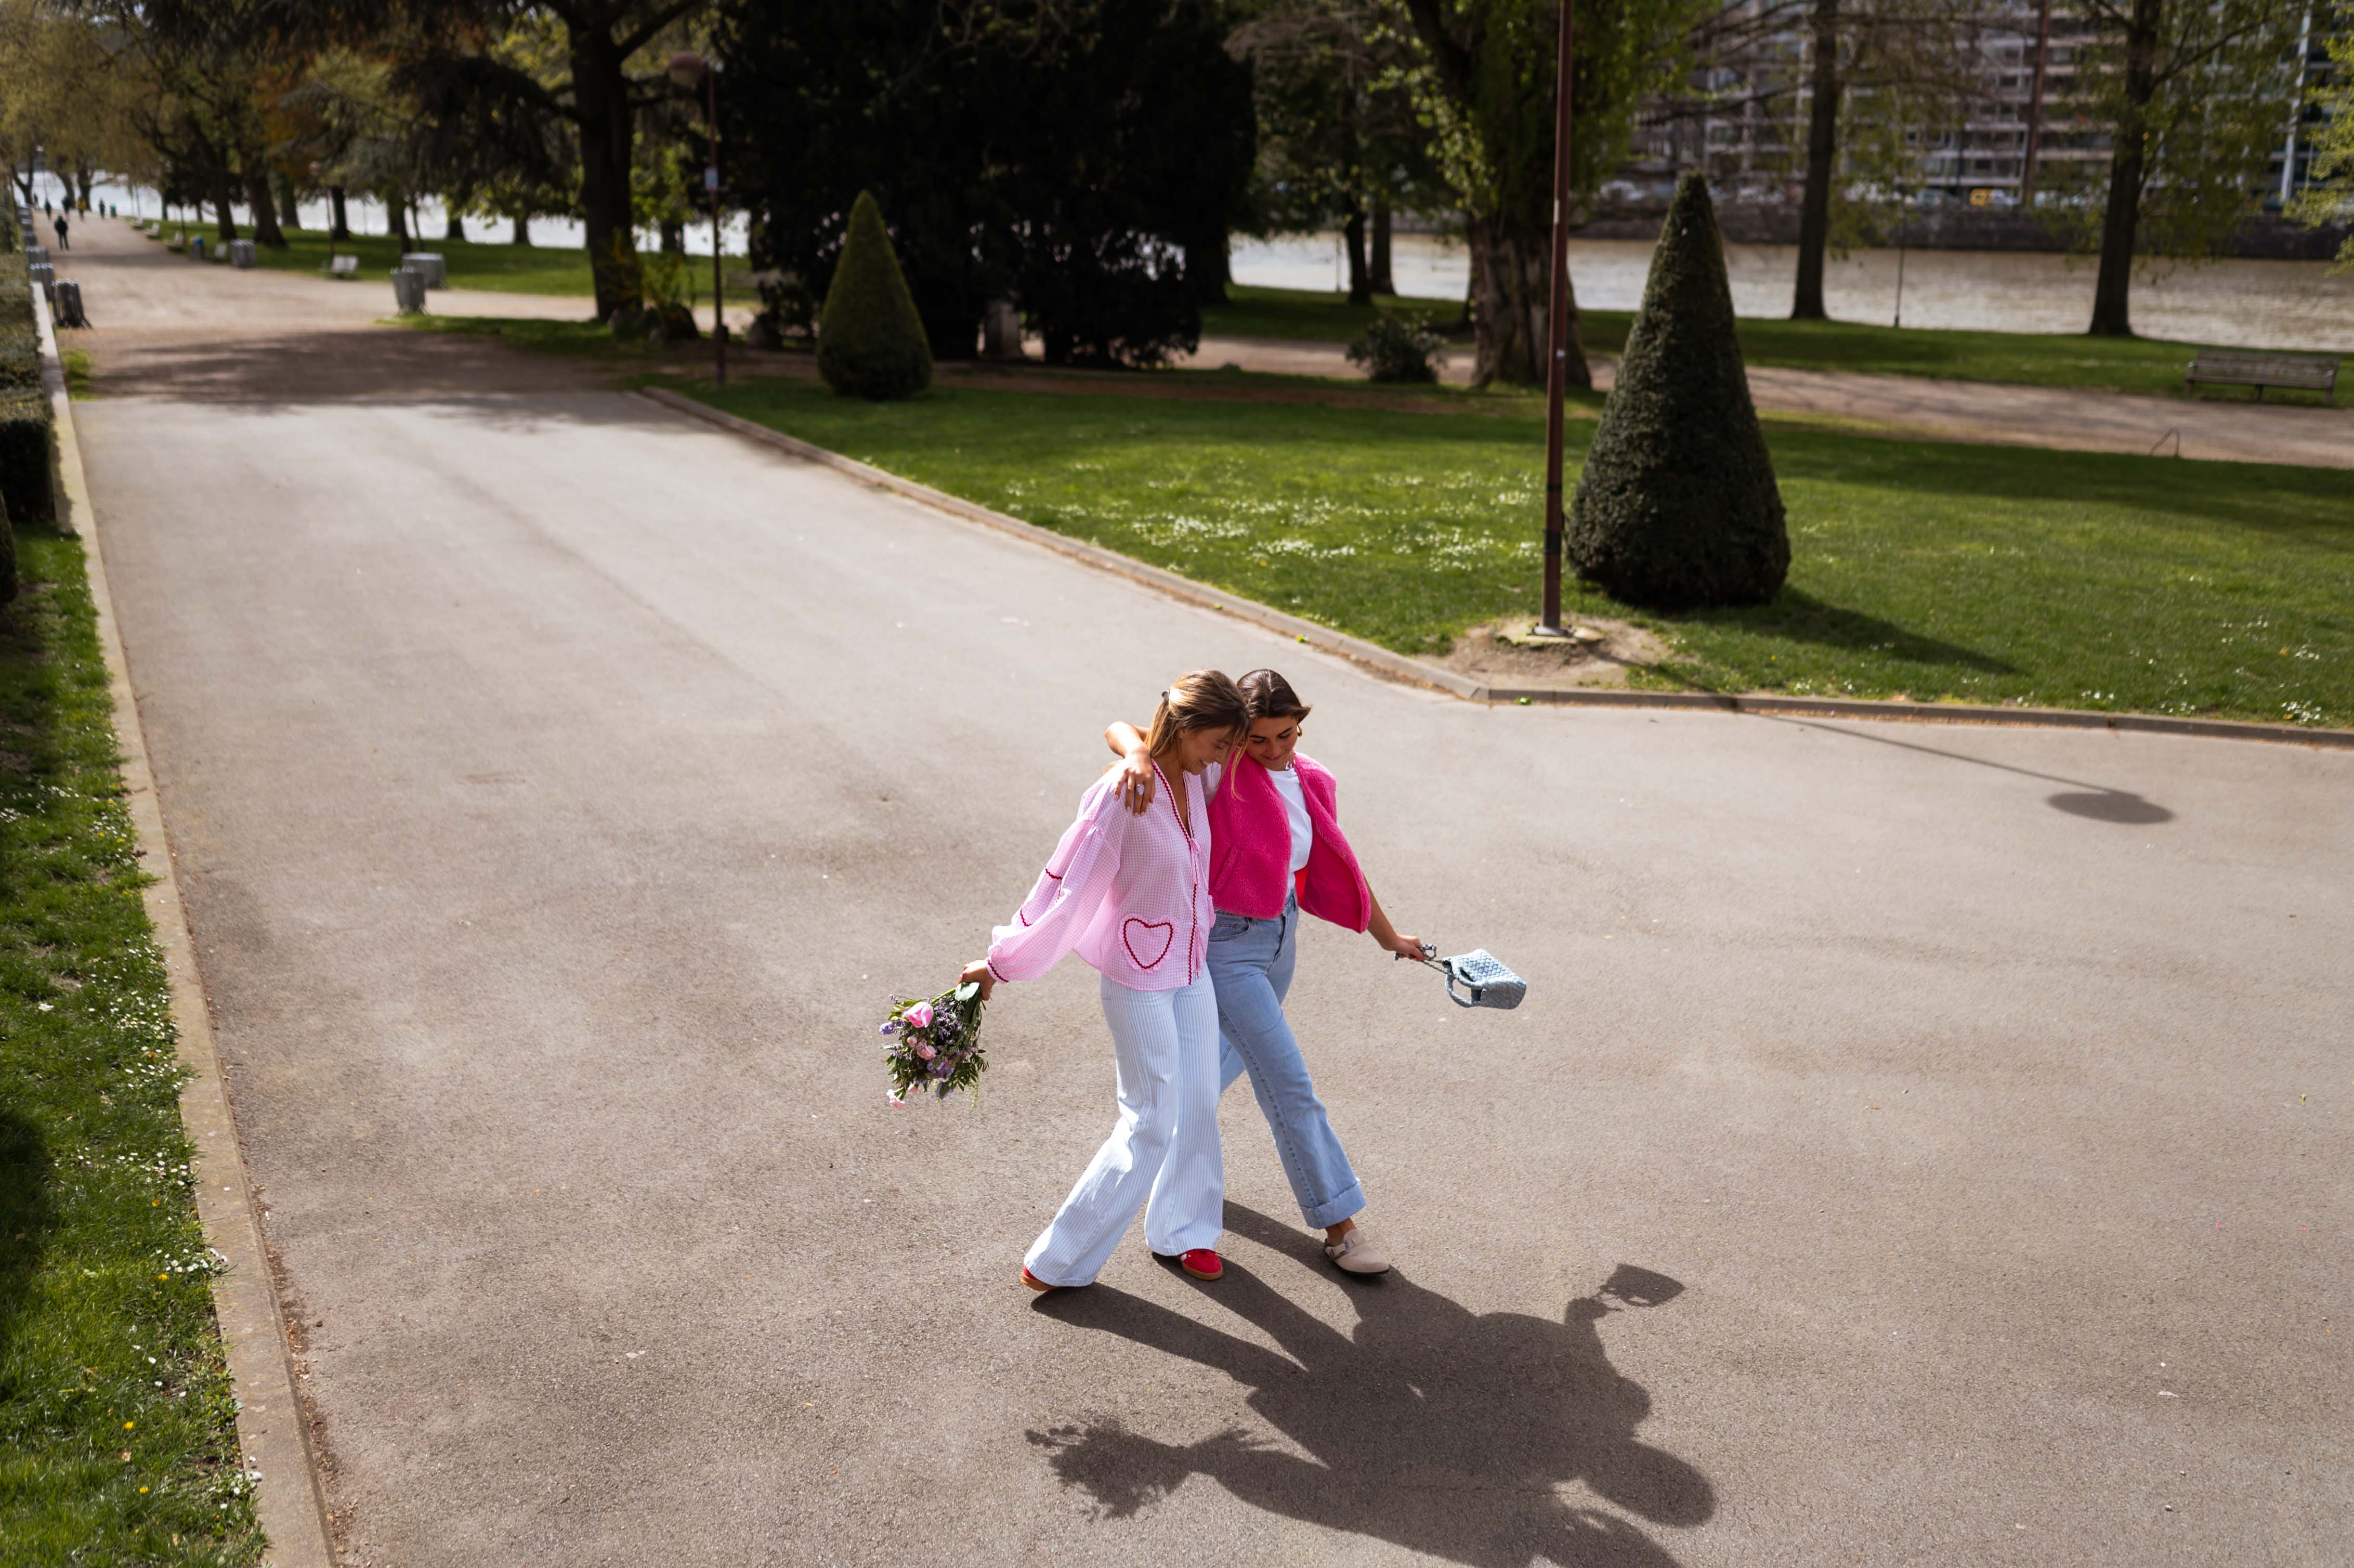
935 1044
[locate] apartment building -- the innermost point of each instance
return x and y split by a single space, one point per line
2012 137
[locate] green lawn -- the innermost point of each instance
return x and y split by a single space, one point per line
1985 574
2147 366
472 263
118 1436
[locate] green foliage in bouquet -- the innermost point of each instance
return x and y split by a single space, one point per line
935 1044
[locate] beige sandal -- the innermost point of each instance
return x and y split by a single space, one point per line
1356 1253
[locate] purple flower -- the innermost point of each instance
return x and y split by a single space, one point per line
919 1016
941 1068
892 1027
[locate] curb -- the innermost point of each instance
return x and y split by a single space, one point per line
270 1426
1414 671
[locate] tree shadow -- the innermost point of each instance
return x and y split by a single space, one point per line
24 1215
1802 618
1433 1428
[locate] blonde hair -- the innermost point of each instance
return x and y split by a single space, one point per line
1199 699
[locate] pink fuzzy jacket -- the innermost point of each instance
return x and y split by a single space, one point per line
1250 860
1132 894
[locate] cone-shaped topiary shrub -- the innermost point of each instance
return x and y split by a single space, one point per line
871 342
1677 506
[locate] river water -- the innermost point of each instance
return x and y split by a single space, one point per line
2254 304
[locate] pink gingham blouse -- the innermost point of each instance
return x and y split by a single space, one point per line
1130 892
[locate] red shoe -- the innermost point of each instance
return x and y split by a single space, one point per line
1034 1282
1203 1264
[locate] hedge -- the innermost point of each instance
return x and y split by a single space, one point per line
24 405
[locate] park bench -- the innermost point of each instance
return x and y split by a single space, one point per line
343 266
2235 368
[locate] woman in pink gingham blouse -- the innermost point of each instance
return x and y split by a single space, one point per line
1130 892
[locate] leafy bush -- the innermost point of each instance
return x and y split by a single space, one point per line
8 556
1398 348
1677 505
871 342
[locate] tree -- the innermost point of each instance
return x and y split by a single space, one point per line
2188 93
1485 83
1677 505
2329 197
871 342
611 75
1338 142
1911 61
1084 159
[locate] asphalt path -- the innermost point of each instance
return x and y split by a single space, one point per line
1920 1145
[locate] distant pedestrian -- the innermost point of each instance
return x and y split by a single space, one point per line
61 233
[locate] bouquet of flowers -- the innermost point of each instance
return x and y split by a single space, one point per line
935 1044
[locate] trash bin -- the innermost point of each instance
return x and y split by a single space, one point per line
35 254
196 247
408 291
41 273
241 254
65 303
429 266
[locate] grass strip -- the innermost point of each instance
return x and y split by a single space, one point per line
1922 569
2145 367
118 1427
470 263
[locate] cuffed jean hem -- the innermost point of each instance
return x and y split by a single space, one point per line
1251 964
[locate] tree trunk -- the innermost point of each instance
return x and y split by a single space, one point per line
601 94
223 199
86 176
674 239
1381 279
2128 167
1822 148
1361 290
265 212
395 219
522 234
454 227
290 212
343 227
1510 281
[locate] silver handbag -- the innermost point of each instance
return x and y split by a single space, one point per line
1482 974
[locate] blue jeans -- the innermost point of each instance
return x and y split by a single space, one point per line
1250 966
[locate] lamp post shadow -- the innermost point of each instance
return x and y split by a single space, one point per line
1448 1432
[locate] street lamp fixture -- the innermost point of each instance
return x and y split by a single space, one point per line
686 68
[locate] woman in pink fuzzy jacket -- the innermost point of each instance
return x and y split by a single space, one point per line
1275 849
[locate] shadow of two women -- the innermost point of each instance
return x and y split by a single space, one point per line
1439 1429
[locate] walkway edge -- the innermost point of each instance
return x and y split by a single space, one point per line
1414 671
270 1426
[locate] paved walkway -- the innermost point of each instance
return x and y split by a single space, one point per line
1920 1145
1947 411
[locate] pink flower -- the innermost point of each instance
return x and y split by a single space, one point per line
925 1053
918 1016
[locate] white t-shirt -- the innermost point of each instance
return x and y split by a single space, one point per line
1294 806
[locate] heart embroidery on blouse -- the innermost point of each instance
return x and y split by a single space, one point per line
1128 934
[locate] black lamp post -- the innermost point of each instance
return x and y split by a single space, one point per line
686 67
1557 332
